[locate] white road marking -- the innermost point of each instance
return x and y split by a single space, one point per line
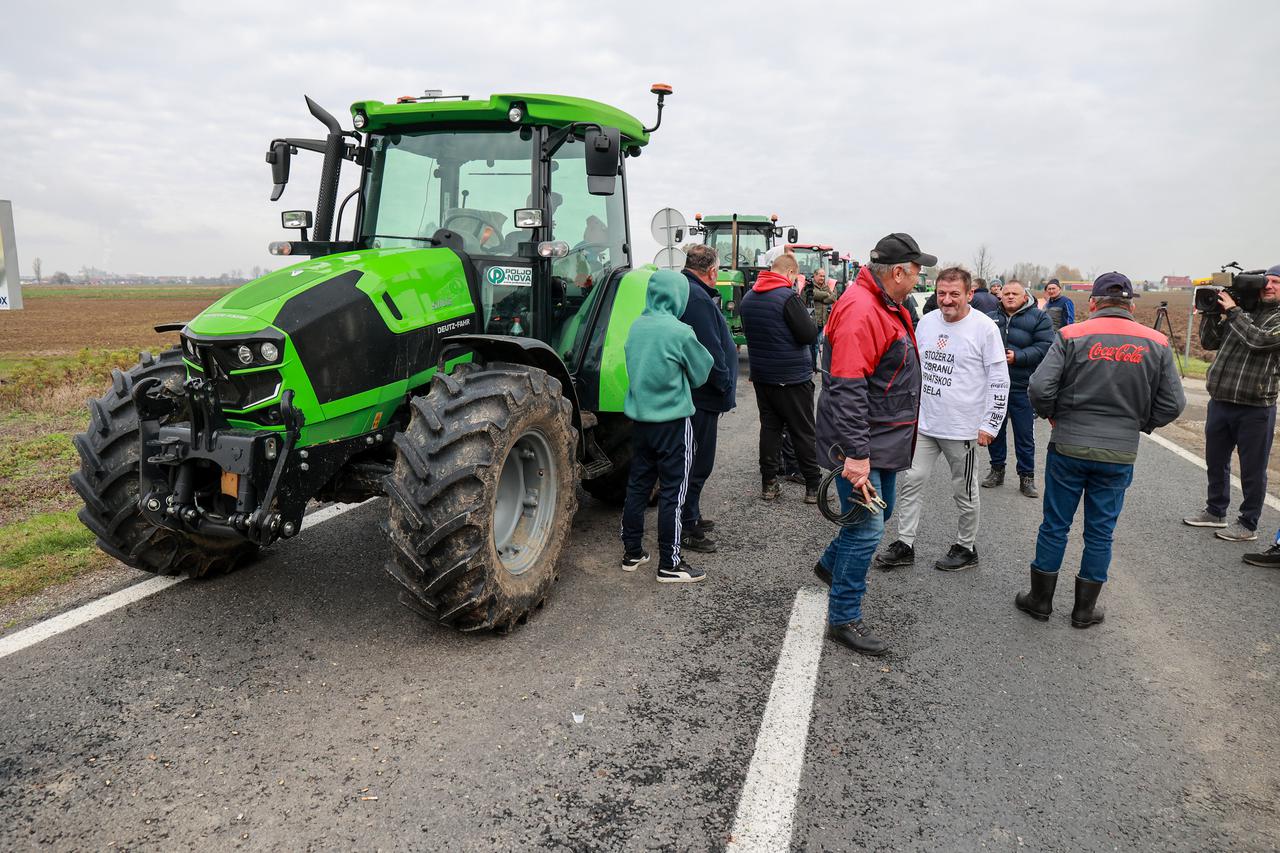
768 803
41 631
1201 464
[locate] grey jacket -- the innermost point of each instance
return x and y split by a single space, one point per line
1106 379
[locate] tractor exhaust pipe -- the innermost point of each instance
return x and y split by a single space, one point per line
329 171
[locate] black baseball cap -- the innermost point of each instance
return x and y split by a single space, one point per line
899 248
1113 284
1053 281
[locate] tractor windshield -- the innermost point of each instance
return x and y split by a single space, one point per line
810 260
751 244
470 182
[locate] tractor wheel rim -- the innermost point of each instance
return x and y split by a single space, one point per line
525 503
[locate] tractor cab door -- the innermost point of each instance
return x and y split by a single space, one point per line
594 227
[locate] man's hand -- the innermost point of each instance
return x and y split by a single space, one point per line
856 471
1008 356
1225 300
985 438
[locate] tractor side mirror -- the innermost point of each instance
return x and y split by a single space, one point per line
278 157
793 235
602 159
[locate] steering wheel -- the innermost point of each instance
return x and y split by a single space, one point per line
477 232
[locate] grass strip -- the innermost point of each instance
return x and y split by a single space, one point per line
45 550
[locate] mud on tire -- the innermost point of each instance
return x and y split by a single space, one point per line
449 495
108 483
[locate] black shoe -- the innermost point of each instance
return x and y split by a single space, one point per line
958 559
700 542
1086 612
822 573
995 477
858 637
811 494
683 573
1039 602
1268 559
899 555
770 491
795 477
630 561
1027 485
704 526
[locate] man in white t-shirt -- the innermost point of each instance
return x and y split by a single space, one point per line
962 404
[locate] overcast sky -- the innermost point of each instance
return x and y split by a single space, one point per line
1140 136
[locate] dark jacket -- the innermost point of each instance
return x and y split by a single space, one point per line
1029 333
1061 311
1105 379
778 331
703 315
1246 370
870 381
983 300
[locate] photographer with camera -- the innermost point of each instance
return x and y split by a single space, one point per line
1243 382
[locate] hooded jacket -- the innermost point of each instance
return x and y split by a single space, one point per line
664 358
1029 333
982 300
703 315
870 380
1103 381
778 331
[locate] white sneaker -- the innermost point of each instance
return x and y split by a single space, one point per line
1237 533
1204 519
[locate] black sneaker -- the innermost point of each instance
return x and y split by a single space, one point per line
1268 559
795 477
700 542
683 573
770 491
821 572
958 559
858 637
704 526
630 561
899 555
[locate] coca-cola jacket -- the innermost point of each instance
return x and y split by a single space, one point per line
1105 380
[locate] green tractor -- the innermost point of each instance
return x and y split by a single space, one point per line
461 352
739 240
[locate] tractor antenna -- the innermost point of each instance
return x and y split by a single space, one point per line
661 90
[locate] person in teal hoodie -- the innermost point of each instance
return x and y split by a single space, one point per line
664 362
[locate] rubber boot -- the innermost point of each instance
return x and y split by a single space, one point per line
1038 603
994 478
1086 612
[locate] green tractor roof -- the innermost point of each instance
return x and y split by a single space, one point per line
747 219
552 110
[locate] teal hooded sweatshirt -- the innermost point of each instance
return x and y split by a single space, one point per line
664 358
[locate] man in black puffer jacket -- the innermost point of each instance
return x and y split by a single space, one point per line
779 332
1028 333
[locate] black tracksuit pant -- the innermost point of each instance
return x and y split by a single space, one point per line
790 405
704 460
661 452
1249 429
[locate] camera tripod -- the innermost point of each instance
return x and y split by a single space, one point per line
1162 317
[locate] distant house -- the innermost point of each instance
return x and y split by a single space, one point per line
1077 285
1176 282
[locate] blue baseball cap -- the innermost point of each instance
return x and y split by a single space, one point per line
1113 284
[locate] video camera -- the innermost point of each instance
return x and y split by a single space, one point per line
1244 286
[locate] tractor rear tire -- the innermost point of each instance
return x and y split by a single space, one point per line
482 495
108 483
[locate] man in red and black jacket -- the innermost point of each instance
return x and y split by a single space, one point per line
867 419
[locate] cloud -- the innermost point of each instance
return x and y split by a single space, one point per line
1139 136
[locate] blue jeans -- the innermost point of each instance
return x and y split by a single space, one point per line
850 552
1103 485
1024 435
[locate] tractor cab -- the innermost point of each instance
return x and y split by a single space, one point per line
741 241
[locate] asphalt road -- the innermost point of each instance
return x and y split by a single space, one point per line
296 705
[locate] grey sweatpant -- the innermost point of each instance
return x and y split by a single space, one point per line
964 486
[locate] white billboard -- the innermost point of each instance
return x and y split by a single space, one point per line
10 286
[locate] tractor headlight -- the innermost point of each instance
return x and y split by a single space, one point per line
553 249
359 120
270 352
244 354
515 114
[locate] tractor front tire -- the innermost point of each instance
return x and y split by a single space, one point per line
108 483
482 495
